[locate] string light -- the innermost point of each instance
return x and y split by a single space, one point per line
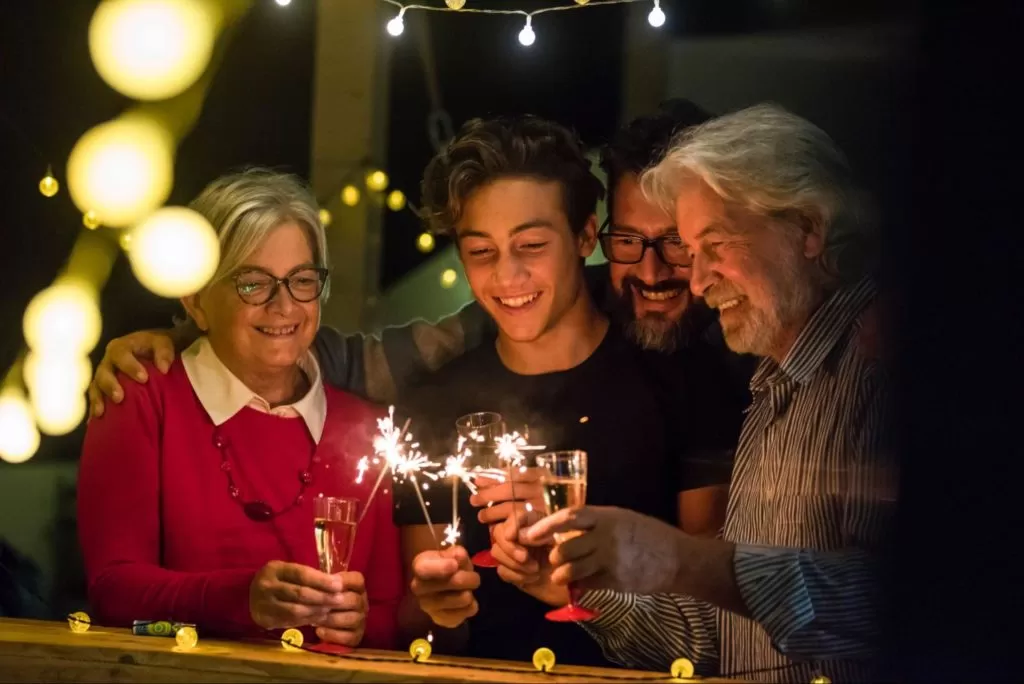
821 679
350 195
582 2
63 319
425 243
325 218
448 278
49 186
527 36
79 622
19 437
681 669
283 3
90 220
420 650
544 659
292 639
657 17
396 25
396 200
174 252
455 4
186 638
377 180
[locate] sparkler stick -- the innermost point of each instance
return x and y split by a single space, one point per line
391 444
510 448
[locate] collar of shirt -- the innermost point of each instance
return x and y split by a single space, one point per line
824 329
223 395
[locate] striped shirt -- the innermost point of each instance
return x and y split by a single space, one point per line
810 511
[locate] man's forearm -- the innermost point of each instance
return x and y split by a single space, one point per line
705 571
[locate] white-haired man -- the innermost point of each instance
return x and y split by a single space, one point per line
794 588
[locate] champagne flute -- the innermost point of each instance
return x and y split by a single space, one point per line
480 430
334 528
564 485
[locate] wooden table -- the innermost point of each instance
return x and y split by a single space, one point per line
50 652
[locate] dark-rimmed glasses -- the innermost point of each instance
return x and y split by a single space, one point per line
257 287
629 248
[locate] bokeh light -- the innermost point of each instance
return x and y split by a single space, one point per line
49 186
350 195
396 200
49 371
448 278
121 169
325 218
63 319
425 242
19 437
377 180
57 411
151 49
174 252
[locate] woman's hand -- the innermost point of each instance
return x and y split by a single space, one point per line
346 624
285 595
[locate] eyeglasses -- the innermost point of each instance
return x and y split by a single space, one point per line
630 248
257 287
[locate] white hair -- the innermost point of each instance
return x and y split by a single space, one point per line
773 162
245 207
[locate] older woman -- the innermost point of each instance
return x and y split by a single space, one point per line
196 494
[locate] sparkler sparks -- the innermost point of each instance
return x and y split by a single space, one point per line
451 533
361 468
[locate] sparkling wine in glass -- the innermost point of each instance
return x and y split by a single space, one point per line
480 430
564 485
334 527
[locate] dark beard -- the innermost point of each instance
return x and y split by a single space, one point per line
655 332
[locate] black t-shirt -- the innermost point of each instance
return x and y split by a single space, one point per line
606 406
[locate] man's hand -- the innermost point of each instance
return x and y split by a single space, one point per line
443 583
526 568
285 595
346 623
499 499
123 354
615 549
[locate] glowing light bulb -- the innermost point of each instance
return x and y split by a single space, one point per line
527 36
283 3
681 668
90 220
292 639
186 637
19 437
57 410
657 17
377 180
396 200
175 252
425 243
821 679
125 240
455 4
397 25
49 186
582 2
59 371
325 218
448 278
544 659
420 650
79 622
350 195
151 49
63 319
121 170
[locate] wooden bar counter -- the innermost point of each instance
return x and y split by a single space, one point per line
34 651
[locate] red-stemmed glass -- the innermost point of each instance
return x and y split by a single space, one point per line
564 485
481 430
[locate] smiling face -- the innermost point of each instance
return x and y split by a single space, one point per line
521 258
757 271
653 295
251 339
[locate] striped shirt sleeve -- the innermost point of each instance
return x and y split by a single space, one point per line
379 366
649 632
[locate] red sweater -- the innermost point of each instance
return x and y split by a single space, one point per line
163 539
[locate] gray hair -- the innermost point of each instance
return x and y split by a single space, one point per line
245 207
774 163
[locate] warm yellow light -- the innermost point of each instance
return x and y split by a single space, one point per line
49 186
420 650
186 637
396 200
121 170
151 49
63 319
376 180
57 410
174 252
57 371
350 195
544 659
19 437
325 218
448 277
90 220
582 2
125 240
821 679
425 242
292 639
455 4
681 668
79 622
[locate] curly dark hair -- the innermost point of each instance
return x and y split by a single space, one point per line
486 150
643 141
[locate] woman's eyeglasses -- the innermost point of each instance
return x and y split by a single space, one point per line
257 287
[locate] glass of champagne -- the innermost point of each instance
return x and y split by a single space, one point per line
480 430
564 485
335 531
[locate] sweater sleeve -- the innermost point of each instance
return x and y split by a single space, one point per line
385 584
119 527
